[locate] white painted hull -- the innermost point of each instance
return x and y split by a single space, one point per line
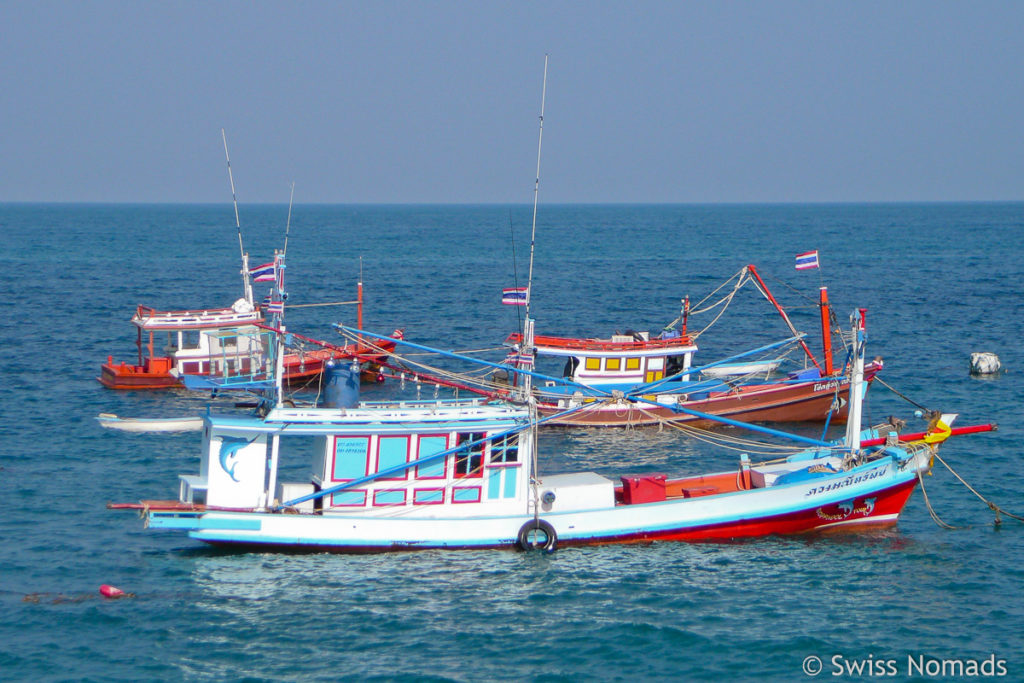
871 494
133 424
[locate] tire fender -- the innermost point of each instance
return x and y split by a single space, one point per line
537 535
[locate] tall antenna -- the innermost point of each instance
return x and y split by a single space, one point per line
288 224
246 283
234 199
536 187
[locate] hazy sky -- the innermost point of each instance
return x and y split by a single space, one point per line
430 102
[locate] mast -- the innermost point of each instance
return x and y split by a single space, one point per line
359 295
288 223
246 282
857 388
826 330
768 295
536 188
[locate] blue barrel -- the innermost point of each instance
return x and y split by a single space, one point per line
341 385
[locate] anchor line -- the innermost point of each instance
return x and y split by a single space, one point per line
931 511
905 398
992 506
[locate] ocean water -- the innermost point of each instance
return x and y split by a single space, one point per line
938 281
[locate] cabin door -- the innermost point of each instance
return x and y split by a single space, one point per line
655 370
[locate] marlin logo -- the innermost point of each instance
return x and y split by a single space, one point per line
229 447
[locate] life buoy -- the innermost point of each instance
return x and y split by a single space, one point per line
537 535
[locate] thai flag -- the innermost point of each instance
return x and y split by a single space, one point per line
514 296
807 261
519 360
275 307
264 273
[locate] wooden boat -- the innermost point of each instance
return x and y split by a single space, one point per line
185 423
661 368
463 474
221 342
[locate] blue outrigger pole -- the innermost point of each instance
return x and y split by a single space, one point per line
638 399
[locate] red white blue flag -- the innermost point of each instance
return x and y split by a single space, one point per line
519 360
514 296
807 261
275 307
264 273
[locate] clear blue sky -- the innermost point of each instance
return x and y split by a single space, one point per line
438 101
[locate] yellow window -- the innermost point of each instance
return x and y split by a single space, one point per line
632 363
593 364
654 376
612 363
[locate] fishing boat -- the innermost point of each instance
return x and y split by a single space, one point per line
662 368
451 474
212 343
221 342
598 372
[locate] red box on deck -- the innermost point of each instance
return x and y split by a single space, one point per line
646 488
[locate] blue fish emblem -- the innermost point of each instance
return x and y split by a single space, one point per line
229 447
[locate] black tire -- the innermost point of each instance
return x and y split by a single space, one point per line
537 535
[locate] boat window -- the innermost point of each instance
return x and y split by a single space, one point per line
612 363
190 339
392 451
430 445
593 364
676 364
505 448
469 461
632 363
349 460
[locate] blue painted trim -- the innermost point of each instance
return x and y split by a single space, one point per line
172 520
230 523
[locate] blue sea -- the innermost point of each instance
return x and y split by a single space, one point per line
914 601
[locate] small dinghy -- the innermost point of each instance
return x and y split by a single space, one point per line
158 424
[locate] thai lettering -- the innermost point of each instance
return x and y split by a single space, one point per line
848 481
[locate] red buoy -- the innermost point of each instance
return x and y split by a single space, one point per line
111 592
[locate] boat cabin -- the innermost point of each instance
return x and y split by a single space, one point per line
378 459
630 359
189 342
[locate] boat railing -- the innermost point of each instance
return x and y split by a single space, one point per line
542 341
149 318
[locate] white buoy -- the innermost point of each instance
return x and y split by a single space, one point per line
984 363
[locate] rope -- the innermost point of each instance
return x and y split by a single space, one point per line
905 398
992 506
931 510
734 443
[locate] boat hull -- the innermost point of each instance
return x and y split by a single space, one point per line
873 494
299 370
811 401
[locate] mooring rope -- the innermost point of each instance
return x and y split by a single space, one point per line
928 504
992 506
905 398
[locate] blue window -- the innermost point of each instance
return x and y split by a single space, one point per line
350 457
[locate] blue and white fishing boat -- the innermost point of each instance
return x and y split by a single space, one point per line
465 474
